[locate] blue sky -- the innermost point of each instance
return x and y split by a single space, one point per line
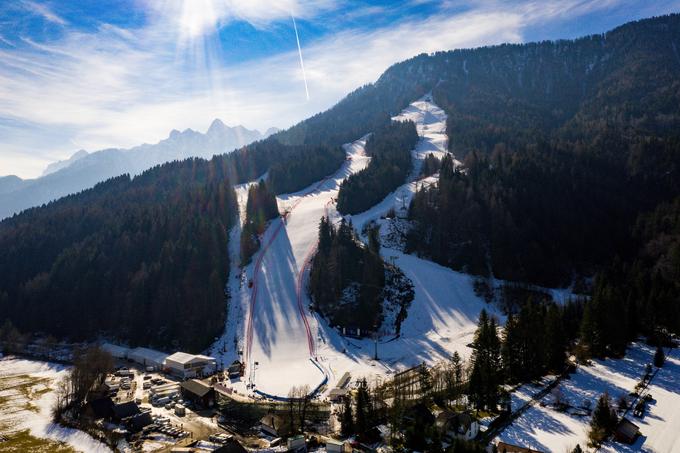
93 74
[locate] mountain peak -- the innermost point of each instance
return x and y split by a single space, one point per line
216 126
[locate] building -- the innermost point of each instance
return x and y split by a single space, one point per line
457 425
124 410
337 395
626 431
235 370
99 408
148 357
275 425
334 446
198 392
502 447
186 366
297 443
117 352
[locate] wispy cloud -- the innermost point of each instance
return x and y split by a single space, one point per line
44 11
118 87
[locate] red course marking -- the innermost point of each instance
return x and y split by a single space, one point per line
256 273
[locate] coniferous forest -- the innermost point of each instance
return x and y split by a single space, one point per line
390 151
260 208
141 260
571 159
347 278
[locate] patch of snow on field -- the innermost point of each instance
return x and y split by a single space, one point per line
39 422
546 429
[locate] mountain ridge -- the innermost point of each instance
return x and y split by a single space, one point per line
84 169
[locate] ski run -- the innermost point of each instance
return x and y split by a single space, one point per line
283 344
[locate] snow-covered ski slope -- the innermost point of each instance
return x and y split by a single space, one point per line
270 322
279 333
443 315
544 428
430 123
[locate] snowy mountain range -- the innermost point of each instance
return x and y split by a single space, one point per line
83 170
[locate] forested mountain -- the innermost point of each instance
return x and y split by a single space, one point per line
142 260
82 170
571 156
564 143
390 150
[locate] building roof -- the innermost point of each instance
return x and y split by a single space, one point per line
101 407
232 446
196 387
150 355
459 422
184 357
124 410
627 428
115 350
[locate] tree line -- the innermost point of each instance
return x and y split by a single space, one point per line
260 208
347 278
390 150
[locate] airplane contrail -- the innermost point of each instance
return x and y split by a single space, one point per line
302 63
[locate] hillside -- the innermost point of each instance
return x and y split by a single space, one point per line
565 145
83 170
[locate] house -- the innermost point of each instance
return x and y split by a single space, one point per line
198 392
275 425
420 415
124 410
337 395
235 370
502 447
231 446
137 422
186 365
626 431
297 443
334 446
457 425
99 408
148 357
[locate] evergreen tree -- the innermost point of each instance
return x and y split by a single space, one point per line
659 357
603 422
485 376
346 419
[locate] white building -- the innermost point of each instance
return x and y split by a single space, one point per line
148 357
186 365
117 352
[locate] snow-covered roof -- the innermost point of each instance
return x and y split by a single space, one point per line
183 357
147 354
115 350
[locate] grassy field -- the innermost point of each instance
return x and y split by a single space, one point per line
18 400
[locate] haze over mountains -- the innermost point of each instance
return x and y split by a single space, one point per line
83 170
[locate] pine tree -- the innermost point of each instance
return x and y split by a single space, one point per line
485 376
603 422
555 339
363 410
659 357
346 420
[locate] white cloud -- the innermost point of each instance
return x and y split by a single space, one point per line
121 87
44 11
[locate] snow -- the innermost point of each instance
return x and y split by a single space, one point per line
430 123
546 429
39 422
441 319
